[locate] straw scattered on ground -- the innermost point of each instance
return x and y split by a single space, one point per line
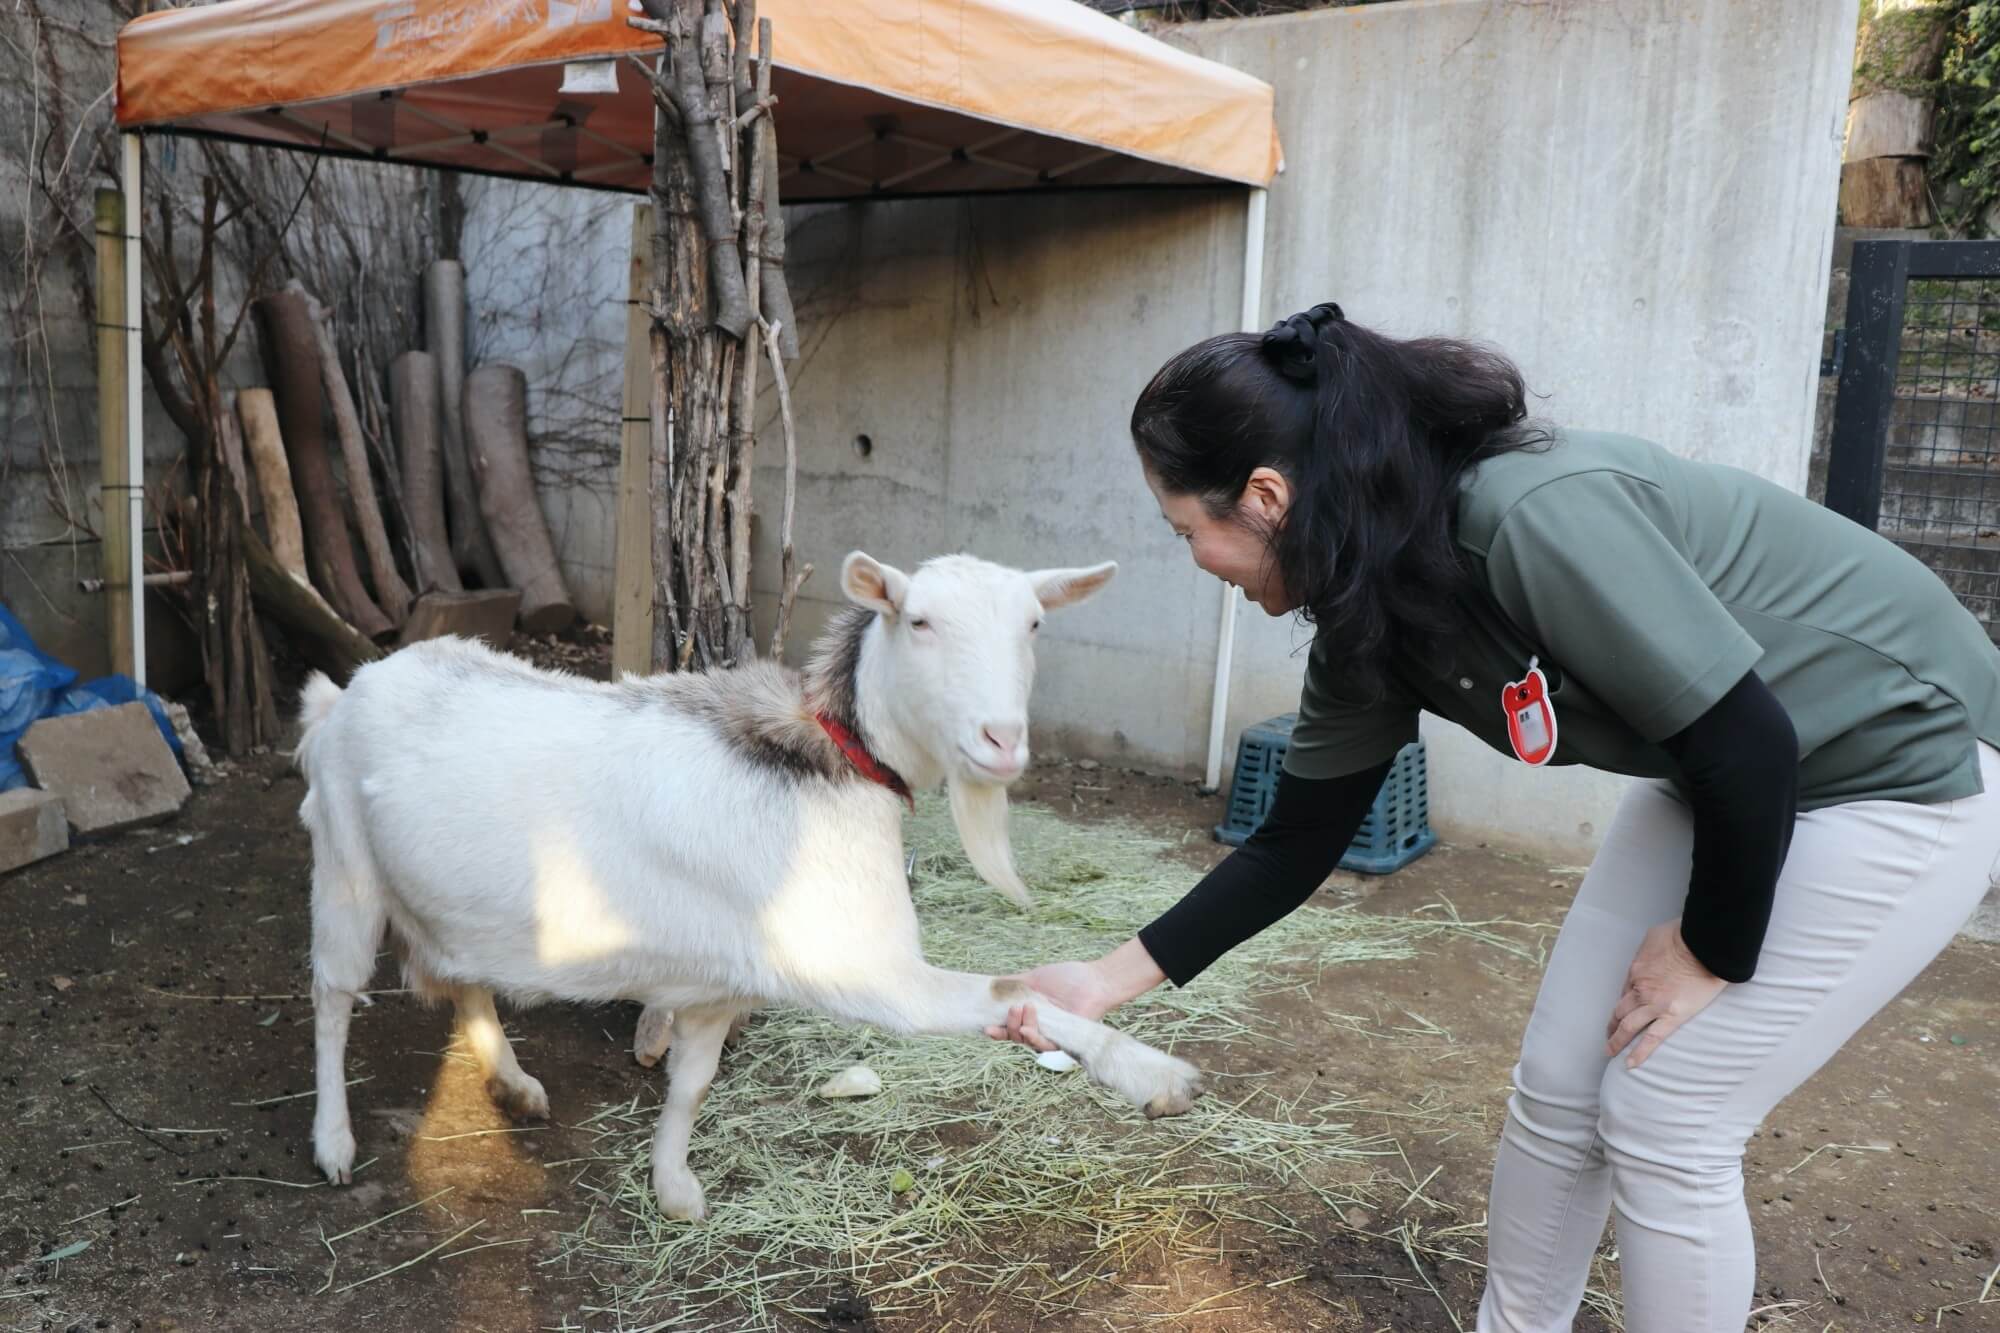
975 1168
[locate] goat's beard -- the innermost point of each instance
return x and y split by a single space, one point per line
979 809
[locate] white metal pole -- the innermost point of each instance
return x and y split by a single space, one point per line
1225 639
135 460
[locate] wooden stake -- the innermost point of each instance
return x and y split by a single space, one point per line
115 545
632 571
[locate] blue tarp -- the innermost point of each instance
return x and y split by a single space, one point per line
34 685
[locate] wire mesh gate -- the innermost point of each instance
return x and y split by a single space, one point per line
1915 450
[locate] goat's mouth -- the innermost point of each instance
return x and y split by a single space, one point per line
991 772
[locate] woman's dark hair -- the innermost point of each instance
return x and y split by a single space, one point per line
1374 435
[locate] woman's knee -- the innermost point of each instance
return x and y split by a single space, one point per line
1555 1098
1649 1117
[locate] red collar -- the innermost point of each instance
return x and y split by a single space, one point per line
865 763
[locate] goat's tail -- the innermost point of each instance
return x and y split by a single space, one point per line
316 700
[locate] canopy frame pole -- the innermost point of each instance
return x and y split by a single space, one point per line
1225 638
135 458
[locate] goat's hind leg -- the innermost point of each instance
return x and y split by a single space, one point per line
654 1033
512 1089
348 917
698 1034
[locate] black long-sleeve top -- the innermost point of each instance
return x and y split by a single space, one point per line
1739 765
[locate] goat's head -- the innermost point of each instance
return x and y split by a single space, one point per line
951 658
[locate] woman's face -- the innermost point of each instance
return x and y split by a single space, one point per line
1236 547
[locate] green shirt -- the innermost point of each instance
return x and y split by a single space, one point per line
1648 585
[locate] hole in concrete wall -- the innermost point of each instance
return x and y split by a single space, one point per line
863 446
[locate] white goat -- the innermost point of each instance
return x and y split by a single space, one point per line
700 843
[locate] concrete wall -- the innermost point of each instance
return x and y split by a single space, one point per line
546 280
1634 199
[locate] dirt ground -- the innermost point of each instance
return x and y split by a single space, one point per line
155 1040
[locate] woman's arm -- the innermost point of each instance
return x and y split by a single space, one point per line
1311 823
1739 763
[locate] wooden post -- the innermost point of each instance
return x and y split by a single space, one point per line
115 548
632 575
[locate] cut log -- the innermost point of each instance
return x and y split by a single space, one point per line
322 638
259 415
496 436
413 420
1887 124
291 360
391 593
1884 192
487 614
444 332
1901 43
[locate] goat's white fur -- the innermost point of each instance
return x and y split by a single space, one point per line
548 837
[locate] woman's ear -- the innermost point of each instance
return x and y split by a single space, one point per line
1267 497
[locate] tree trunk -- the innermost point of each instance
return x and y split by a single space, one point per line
496 428
444 331
233 663
414 423
712 205
391 592
291 360
259 415
1897 57
687 615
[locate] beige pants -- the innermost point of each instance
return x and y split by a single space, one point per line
1871 893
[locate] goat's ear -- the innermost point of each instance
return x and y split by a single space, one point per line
870 583
1056 588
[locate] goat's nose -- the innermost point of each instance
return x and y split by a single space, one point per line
1003 736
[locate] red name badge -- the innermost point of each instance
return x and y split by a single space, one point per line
1531 720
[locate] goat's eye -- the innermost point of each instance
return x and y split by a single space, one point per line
920 622
1034 626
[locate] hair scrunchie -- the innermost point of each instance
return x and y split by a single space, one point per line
1293 342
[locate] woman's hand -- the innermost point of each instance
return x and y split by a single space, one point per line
1665 987
1088 990
1076 987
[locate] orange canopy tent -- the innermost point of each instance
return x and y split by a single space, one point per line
877 99
894 97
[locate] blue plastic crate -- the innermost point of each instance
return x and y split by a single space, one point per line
1396 832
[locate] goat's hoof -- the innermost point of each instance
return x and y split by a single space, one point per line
1181 1085
520 1096
333 1151
653 1035
1178 1100
680 1196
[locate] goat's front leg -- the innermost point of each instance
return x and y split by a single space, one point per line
698 1033
911 996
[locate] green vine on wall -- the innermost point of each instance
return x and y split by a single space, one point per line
1965 151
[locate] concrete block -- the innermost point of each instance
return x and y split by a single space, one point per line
32 826
487 614
111 767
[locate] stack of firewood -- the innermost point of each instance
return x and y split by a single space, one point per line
449 508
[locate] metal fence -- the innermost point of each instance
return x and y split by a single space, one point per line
1915 451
